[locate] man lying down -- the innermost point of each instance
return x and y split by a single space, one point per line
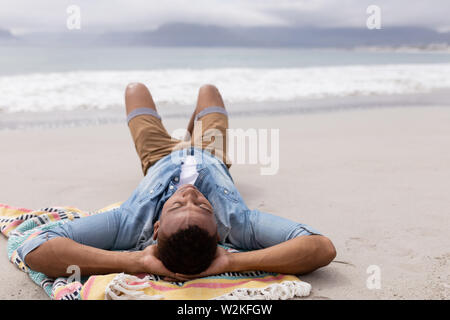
186 204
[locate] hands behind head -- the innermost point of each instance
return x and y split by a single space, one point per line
151 264
220 264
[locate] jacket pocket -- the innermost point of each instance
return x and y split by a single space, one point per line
227 193
151 193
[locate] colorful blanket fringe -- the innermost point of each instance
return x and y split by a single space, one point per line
19 225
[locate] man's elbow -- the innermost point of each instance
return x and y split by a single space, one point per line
32 260
321 253
327 251
40 259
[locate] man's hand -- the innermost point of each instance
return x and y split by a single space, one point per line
151 264
220 264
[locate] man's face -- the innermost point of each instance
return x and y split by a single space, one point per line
186 207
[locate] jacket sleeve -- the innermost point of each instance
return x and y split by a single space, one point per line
260 230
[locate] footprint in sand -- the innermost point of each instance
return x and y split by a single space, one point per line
356 243
320 298
387 247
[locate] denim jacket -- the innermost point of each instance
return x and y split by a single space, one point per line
130 227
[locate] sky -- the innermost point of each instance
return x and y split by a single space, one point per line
24 16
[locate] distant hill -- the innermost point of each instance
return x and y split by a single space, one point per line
6 36
181 34
197 35
5 33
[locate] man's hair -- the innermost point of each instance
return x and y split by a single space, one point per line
188 251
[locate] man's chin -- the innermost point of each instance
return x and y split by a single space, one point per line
187 186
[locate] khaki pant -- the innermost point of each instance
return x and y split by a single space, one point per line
153 142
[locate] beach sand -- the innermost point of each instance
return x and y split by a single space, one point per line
376 182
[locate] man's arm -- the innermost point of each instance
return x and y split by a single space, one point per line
274 244
284 245
296 256
56 255
83 242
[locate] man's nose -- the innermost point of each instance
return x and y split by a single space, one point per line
190 193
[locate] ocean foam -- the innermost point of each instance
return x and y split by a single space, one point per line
100 90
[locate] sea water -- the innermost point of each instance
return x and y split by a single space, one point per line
46 80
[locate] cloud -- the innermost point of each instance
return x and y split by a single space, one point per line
352 13
102 15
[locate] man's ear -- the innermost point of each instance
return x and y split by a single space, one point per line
155 229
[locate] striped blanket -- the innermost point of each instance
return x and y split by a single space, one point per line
19 225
